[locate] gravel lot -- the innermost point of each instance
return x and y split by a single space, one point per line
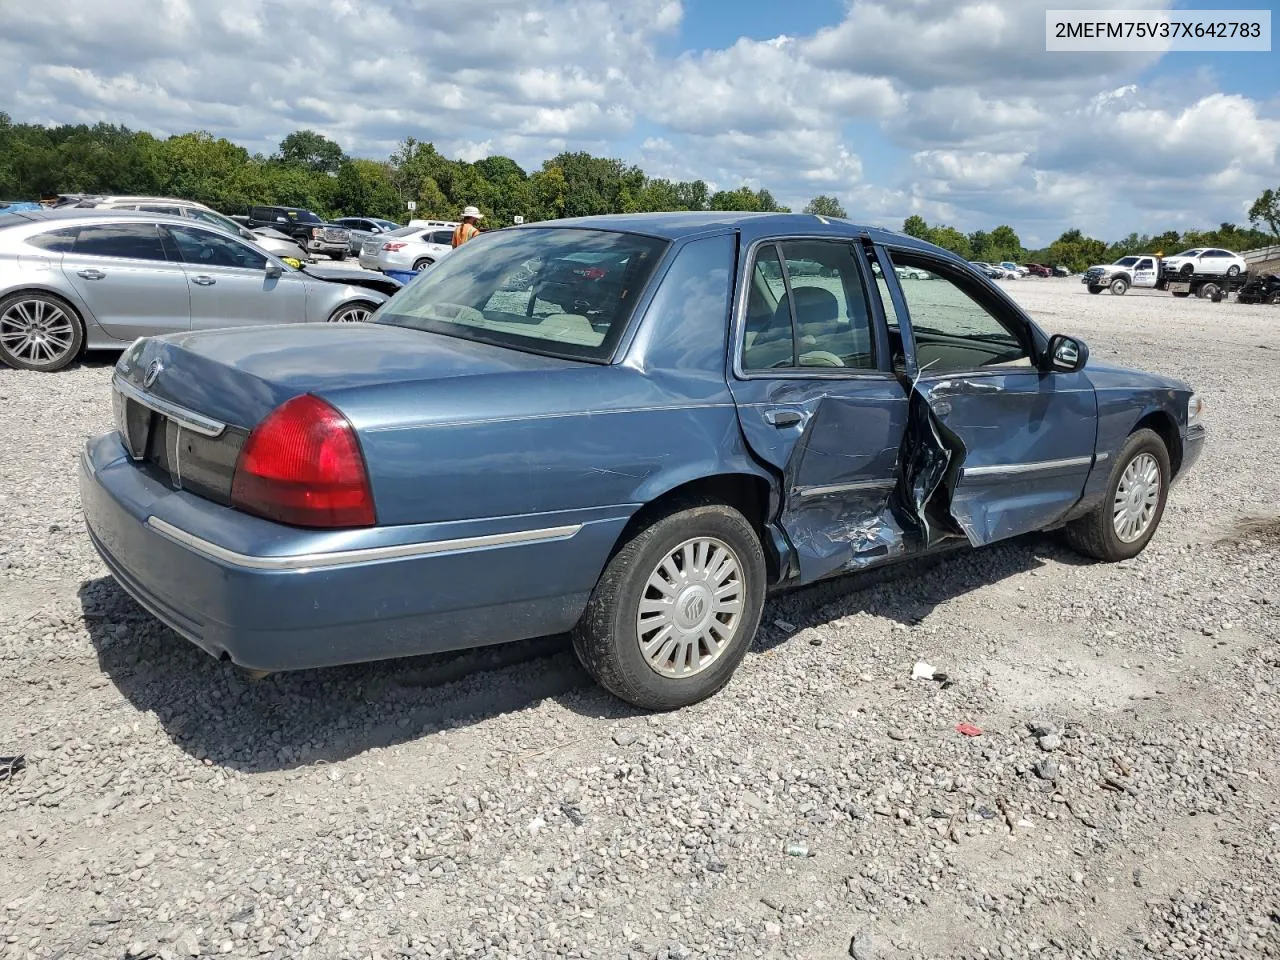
499 805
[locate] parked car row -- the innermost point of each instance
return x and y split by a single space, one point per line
542 435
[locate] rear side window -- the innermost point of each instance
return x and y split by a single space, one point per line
55 241
130 241
440 236
808 308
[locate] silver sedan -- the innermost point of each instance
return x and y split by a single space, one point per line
76 279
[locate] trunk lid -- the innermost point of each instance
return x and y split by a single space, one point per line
185 403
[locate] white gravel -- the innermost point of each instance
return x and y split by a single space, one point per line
470 806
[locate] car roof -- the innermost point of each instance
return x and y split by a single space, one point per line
68 215
683 224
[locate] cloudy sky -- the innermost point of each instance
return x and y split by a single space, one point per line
947 108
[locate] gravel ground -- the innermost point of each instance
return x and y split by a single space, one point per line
1120 802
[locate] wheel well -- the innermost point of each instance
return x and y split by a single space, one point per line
745 492
1167 429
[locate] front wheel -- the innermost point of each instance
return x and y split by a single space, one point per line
1094 288
358 312
1233 270
1126 520
1119 286
676 609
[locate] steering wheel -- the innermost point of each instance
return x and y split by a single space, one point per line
820 358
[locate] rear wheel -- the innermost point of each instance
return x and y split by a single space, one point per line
39 331
676 609
1208 291
1182 293
357 312
423 263
1119 286
1126 520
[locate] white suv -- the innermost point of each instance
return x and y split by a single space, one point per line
1206 260
414 247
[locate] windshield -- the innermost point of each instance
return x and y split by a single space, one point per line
562 291
405 232
303 216
386 224
1190 253
1126 261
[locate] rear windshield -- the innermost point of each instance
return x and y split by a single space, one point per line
560 291
404 232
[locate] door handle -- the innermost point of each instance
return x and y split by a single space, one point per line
955 388
90 274
783 418
204 281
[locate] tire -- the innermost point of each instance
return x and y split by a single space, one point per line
1094 288
1095 534
39 331
1119 287
358 311
608 637
423 263
1187 269
1233 270
1207 291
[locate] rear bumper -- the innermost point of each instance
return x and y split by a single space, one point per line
270 597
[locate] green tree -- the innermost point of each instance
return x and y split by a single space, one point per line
949 238
915 226
824 206
1266 209
1073 249
311 150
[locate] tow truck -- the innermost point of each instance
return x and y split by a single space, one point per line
1150 271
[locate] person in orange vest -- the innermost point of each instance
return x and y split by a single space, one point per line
469 227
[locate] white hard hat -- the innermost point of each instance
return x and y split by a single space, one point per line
472 212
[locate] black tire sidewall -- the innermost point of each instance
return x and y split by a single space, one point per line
77 333
626 673
1142 441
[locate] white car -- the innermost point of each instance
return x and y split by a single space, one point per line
1206 260
409 248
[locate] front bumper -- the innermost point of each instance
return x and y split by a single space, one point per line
329 247
270 597
1192 446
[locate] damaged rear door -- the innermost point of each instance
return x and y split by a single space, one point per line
1007 446
818 400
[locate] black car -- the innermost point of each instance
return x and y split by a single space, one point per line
1262 289
312 233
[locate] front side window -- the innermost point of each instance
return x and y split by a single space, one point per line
204 249
807 307
953 327
132 241
566 292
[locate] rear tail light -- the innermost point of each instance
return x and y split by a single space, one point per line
302 466
393 247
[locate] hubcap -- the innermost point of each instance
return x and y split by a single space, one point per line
36 331
691 608
1136 498
356 314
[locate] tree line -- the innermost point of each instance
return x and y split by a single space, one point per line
310 170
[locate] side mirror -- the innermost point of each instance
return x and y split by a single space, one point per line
281 220
1066 354
274 270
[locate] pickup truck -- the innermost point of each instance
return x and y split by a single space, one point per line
313 234
1133 271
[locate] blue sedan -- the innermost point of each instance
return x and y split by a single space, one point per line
628 428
